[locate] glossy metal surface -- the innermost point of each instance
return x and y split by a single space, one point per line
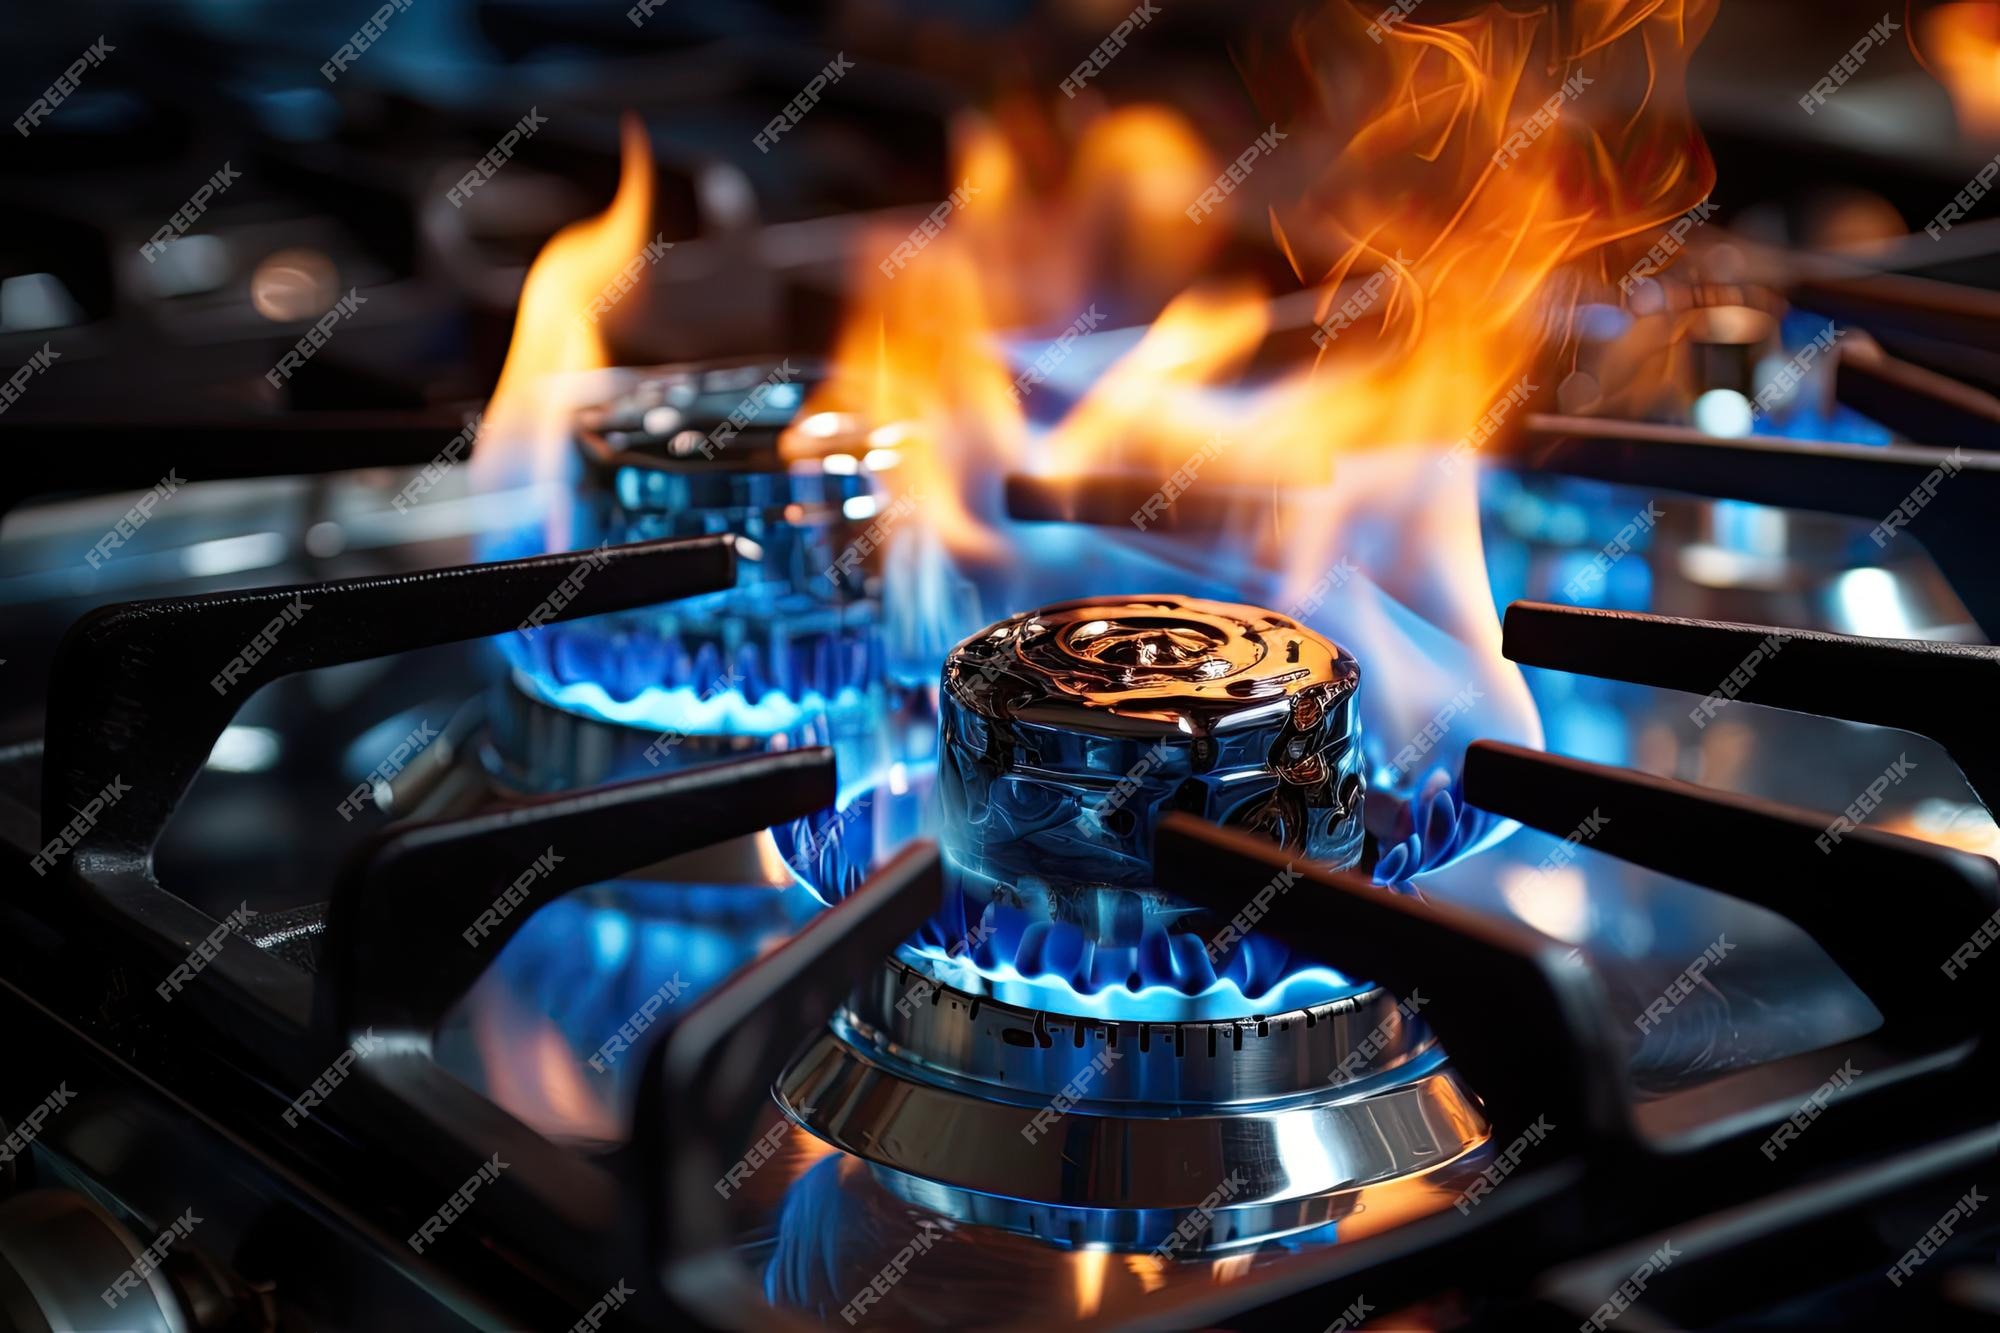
1092 1157
59 1252
1067 733
901 1016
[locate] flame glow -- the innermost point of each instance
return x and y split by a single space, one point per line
528 417
1473 179
1963 43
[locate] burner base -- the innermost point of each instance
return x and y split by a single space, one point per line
1058 1127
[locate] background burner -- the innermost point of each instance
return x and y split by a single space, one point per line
789 657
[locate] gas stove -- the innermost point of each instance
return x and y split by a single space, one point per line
1422 802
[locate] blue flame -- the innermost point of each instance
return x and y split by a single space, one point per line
1434 829
1167 976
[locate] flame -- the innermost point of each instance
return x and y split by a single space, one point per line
1473 179
531 408
1089 1267
531 1070
1964 47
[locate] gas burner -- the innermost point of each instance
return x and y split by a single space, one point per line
1066 736
790 656
1032 1122
1068 733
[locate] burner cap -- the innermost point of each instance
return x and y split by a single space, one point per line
1068 733
1161 664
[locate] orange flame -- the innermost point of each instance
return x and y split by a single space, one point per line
1963 39
554 335
1451 190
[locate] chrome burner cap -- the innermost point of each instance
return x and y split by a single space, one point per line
1169 666
1067 734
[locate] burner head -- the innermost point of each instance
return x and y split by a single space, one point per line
790 656
1069 732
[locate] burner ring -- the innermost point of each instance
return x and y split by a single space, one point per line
925 1083
940 1146
904 1017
